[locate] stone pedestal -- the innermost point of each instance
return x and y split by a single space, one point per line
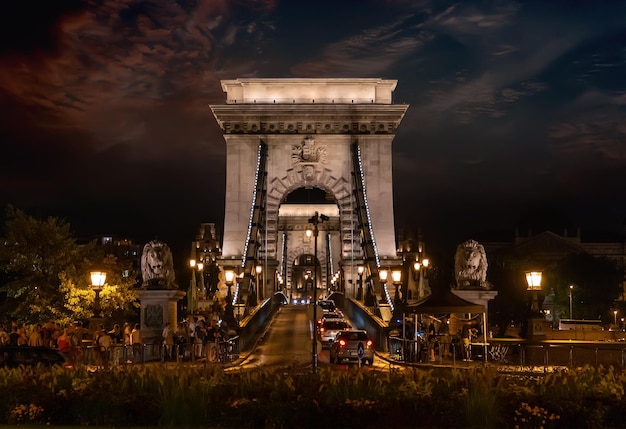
537 327
158 307
481 297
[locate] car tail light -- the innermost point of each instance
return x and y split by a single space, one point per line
342 343
322 329
370 343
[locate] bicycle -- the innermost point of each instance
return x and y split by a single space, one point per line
222 351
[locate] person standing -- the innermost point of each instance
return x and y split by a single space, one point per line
212 339
200 339
192 333
117 342
444 337
4 336
168 341
35 339
432 338
128 347
136 342
64 343
14 336
465 338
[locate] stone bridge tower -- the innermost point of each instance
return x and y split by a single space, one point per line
331 135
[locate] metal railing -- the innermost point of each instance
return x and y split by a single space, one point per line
512 352
121 354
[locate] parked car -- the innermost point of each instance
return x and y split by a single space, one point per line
346 346
13 357
329 329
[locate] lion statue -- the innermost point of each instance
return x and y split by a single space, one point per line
470 266
157 266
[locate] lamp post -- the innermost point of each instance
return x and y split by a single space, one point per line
419 271
614 318
193 292
202 295
259 281
315 220
359 295
229 278
571 288
536 321
97 282
533 279
382 275
396 277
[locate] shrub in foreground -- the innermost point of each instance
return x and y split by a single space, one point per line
208 397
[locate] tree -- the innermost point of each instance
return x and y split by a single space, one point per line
45 272
597 284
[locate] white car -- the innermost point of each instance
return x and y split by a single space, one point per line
330 328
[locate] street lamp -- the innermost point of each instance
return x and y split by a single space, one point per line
382 275
97 282
419 271
315 220
359 295
200 267
571 288
533 279
229 278
193 295
614 318
536 321
396 277
259 278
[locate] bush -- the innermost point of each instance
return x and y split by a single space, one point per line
184 396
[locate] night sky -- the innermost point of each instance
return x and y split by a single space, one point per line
515 107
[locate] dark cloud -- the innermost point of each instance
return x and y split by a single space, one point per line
104 105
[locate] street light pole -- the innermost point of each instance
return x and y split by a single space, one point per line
359 293
229 316
315 220
257 288
193 290
571 287
97 282
202 294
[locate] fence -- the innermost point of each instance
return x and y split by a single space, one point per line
120 354
514 352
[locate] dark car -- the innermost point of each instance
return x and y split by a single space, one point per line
327 305
347 344
12 357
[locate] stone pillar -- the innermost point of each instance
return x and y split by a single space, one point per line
158 307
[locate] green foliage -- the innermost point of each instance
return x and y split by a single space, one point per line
45 273
597 284
186 396
32 256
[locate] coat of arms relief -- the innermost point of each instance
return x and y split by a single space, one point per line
308 156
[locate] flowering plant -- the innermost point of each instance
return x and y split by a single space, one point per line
23 413
534 417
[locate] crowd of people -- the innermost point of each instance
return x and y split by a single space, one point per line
197 338
434 340
72 340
